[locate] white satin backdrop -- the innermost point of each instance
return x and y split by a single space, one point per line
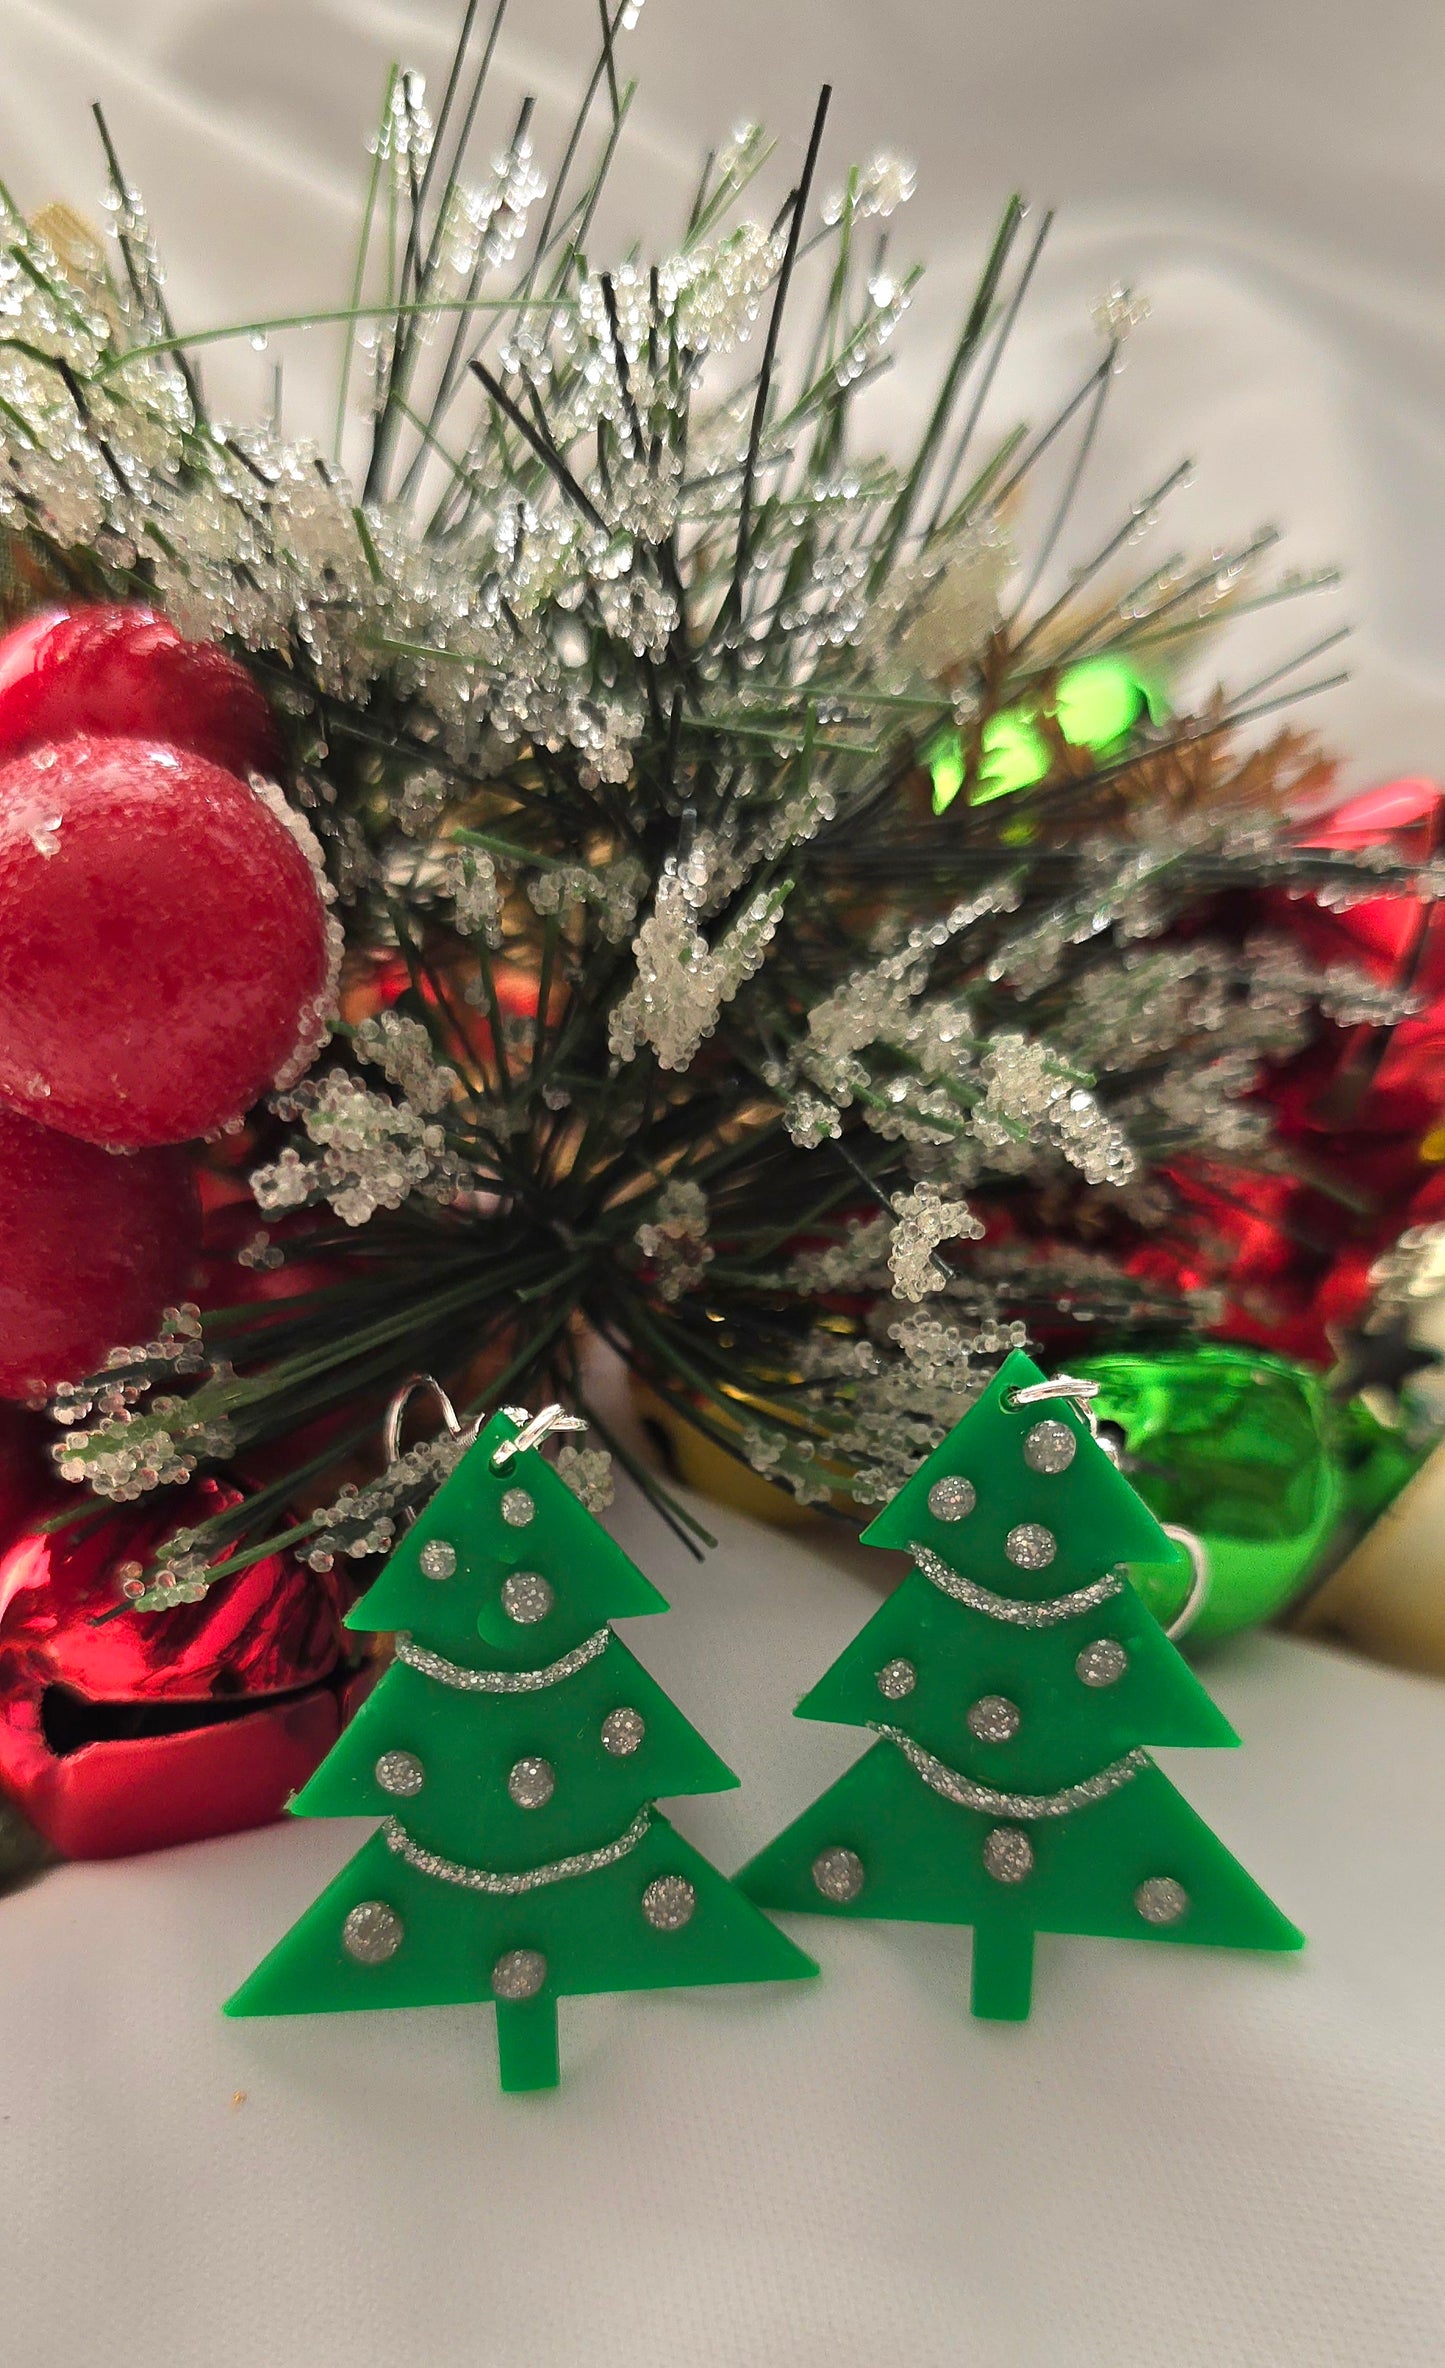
1183 2161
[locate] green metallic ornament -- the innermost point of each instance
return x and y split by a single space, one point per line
1013 1679
1238 1448
514 1751
1096 704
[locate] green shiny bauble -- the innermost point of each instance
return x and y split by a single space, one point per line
1096 705
1248 1452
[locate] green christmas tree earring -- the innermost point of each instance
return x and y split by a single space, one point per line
1012 1680
514 1727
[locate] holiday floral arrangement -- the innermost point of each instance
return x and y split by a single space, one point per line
593 852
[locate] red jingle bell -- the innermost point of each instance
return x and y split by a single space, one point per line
128 670
159 1727
164 948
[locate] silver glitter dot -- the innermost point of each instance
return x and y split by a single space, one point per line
949 1500
838 1873
520 1974
372 1932
517 1508
1049 1447
622 1732
400 1772
1031 1546
1102 1663
668 1903
526 1597
895 1679
1008 1854
993 1718
532 1783
438 1559
1161 1900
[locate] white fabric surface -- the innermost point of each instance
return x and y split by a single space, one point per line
1182 2159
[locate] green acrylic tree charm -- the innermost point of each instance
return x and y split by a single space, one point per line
1013 1679
514 1750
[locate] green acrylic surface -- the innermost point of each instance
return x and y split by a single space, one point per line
922 1854
463 1617
1066 1730
590 1928
468 1758
1094 1513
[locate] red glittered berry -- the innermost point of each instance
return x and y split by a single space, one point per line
164 953
92 1248
128 670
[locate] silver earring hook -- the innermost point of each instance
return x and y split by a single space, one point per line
402 1398
1063 1385
535 1428
1198 1595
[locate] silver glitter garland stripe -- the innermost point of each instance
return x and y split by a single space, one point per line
940 1778
499 1681
532 1878
1050 1613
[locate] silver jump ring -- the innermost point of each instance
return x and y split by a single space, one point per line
535 1428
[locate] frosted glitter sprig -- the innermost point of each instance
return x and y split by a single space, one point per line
373 1152
675 1240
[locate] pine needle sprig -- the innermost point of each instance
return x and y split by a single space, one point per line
613 665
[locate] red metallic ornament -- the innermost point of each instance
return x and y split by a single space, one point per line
1358 1114
1262 1243
1382 932
1405 813
92 1248
128 670
159 1727
163 942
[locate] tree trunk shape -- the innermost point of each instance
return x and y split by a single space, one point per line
1003 1972
527 2043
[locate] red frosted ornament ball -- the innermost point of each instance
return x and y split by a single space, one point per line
163 944
128 670
92 1248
